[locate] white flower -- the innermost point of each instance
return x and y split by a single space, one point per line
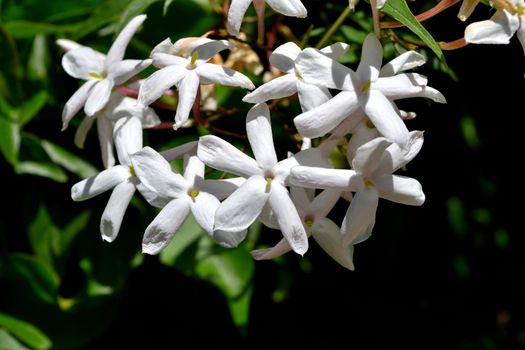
326 233
121 178
283 58
185 194
238 8
265 184
187 72
364 89
371 179
508 20
118 106
101 72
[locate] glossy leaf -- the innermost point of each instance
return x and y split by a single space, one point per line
31 107
43 169
68 160
44 236
26 332
398 9
9 342
9 140
187 234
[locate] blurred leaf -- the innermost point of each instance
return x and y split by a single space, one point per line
8 342
6 110
31 107
240 309
26 332
105 13
461 266
456 216
71 230
502 238
398 9
10 140
187 234
44 169
38 59
167 4
470 133
68 160
39 278
44 236
22 29
134 8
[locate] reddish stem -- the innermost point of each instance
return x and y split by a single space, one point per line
440 7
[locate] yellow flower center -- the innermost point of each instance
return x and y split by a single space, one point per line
309 220
369 184
194 58
132 171
369 124
193 193
96 75
366 86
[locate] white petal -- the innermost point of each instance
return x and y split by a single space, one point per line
187 93
313 177
396 157
155 173
203 209
221 155
363 134
349 125
406 61
122 71
520 33
165 46
105 140
268 218
466 9
284 56
288 7
328 235
279 249
128 138
95 185
300 199
237 212
209 48
336 50
222 75
259 131
162 229
115 209
311 96
163 60
371 59
367 156
235 15
360 217
83 63
156 84
318 69
324 202
68 45
193 170
320 120
118 49
180 151
98 96
83 129
497 30
407 85
228 239
76 102
400 189
384 117
289 221
274 89
222 188
380 3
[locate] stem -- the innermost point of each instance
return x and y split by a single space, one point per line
197 110
440 7
453 45
333 28
375 18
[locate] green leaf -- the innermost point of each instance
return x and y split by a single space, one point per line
240 309
134 8
31 107
9 342
26 332
167 4
38 62
43 169
68 160
107 12
44 236
398 9
71 230
9 140
38 278
22 29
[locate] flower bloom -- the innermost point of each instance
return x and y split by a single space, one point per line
185 65
101 72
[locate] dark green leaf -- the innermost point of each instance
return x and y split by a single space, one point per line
38 62
68 160
134 8
9 342
166 6
27 29
398 9
9 140
31 107
107 12
37 276
44 236
187 234
71 230
43 169
26 332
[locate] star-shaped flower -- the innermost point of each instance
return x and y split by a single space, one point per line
185 65
363 89
101 72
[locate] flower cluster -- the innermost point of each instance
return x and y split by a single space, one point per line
294 195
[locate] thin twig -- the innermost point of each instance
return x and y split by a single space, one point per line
334 27
440 7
